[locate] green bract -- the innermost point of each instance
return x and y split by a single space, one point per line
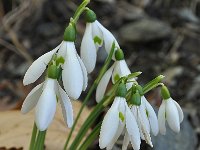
70 33
136 98
165 92
119 55
121 90
90 16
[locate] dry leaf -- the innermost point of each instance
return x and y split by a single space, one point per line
16 128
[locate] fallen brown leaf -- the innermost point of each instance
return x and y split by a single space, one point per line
16 128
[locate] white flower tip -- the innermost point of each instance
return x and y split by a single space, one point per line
101 144
27 80
176 129
151 145
23 111
41 127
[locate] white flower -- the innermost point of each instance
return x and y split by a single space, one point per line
94 37
149 116
44 97
172 112
143 124
117 70
118 118
74 74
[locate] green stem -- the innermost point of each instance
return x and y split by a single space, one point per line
34 133
93 87
91 137
87 124
153 83
39 145
93 116
80 10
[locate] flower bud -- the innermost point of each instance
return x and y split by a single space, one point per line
70 33
90 16
119 55
165 92
121 90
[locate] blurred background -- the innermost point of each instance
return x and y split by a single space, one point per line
157 36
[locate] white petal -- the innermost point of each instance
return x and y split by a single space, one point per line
132 129
121 69
134 110
172 115
32 99
63 49
115 138
46 106
144 129
153 120
88 49
162 118
101 88
124 68
180 112
125 141
97 32
84 71
122 109
38 67
108 38
143 112
66 105
109 125
72 75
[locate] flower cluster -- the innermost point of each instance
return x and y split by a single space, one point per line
134 115
130 113
64 62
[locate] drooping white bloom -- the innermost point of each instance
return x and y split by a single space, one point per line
74 74
172 112
117 119
149 116
143 124
117 70
94 37
44 97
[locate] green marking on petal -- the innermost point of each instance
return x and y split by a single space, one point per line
97 40
147 113
116 78
60 60
121 116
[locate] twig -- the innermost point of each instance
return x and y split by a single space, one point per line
8 46
20 47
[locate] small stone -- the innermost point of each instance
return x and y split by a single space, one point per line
145 30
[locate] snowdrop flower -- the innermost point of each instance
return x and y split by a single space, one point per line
94 37
149 115
169 111
44 98
74 74
138 108
117 70
117 119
